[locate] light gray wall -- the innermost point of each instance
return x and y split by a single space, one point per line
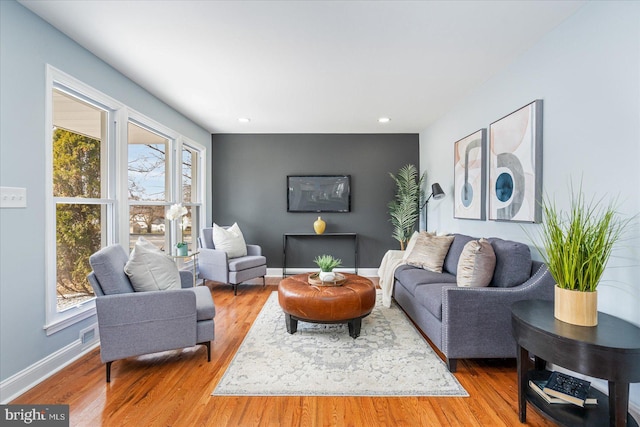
28 43
249 187
587 72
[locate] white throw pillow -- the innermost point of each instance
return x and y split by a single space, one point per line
230 240
429 251
410 244
476 264
149 269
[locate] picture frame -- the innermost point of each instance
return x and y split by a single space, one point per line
515 165
469 173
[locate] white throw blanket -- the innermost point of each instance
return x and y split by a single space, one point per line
391 260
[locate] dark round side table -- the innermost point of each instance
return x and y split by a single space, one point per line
610 350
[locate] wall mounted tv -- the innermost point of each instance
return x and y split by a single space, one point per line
318 193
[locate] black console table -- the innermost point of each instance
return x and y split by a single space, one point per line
286 236
610 350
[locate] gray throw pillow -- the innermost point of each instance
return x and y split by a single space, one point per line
476 264
513 263
453 256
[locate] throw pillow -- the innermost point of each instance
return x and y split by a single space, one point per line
230 240
410 245
513 263
149 269
429 251
476 264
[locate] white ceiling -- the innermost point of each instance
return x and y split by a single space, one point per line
307 66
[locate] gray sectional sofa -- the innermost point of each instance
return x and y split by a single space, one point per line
467 323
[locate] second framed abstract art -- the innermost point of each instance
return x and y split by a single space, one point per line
469 176
515 165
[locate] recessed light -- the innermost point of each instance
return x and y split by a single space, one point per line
244 119
384 120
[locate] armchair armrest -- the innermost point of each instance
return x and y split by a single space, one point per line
145 322
476 322
213 265
254 250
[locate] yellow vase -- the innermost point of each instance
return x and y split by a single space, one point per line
319 225
575 307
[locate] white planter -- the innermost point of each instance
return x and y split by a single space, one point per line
327 276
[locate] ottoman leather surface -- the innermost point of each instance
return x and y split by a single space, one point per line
355 298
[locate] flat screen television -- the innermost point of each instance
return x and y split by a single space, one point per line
318 193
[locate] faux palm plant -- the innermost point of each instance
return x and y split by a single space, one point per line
405 207
576 245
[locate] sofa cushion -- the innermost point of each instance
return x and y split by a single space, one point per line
430 297
429 251
229 240
242 263
453 256
411 277
513 263
149 269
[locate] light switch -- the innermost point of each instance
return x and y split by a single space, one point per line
13 197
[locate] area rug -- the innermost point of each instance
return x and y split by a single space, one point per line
389 358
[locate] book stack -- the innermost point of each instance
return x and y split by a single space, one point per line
563 389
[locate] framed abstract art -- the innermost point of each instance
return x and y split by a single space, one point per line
469 176
515 165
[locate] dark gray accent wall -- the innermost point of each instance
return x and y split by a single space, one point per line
249 187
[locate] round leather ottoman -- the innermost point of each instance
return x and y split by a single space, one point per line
348 303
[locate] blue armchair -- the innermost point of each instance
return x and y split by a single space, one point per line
133 323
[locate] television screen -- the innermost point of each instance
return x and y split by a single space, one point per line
318 193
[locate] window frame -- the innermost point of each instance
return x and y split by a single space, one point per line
117 212
57 80
174 188
199 178
171 137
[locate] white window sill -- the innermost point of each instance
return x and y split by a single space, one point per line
70 317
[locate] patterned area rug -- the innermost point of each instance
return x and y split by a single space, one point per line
389 358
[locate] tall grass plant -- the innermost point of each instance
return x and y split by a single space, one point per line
576 245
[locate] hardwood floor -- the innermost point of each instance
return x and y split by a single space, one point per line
173 388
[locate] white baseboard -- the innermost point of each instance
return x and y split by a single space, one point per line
24 380
366 272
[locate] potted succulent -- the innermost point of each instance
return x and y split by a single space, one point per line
182 249
327 263
576 246
405 207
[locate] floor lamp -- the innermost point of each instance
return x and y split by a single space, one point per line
437 194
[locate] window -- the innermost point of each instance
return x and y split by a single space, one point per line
191 194
153 188
85 148
148 184
81 210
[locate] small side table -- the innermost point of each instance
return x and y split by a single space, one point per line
194 261
610 350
